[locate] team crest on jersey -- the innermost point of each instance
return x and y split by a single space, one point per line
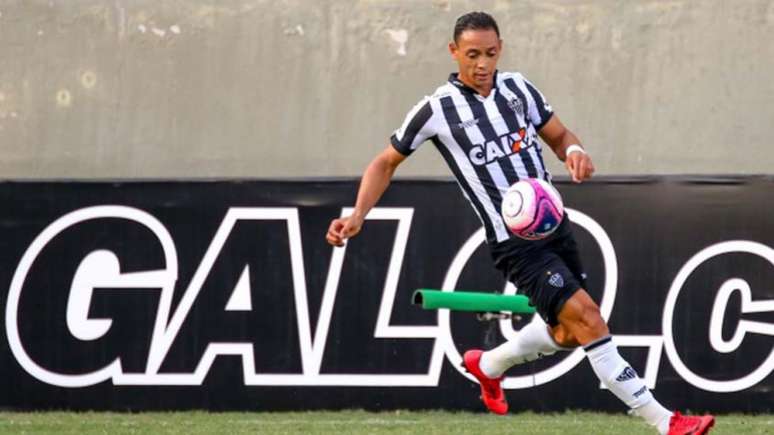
516 105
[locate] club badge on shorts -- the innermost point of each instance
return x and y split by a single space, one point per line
556 280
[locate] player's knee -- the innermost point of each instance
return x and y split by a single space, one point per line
593 322
582 318
563 337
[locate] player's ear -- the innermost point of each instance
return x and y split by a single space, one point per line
453 49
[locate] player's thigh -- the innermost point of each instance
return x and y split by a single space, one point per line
566 248
548 282
580 318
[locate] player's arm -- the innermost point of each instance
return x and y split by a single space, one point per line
561 140
375 180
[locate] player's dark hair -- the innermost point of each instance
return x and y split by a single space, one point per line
475 21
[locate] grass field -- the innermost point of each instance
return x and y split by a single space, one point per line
350 422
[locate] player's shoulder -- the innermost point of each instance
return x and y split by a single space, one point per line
431 100
513 75
442 91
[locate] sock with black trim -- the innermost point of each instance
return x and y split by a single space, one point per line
621 379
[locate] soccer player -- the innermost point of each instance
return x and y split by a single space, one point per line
485 124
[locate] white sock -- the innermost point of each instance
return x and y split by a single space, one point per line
656 415
621 379
531 343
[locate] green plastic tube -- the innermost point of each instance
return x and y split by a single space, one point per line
431 299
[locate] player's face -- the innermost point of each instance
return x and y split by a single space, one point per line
477 53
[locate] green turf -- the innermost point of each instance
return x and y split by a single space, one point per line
351 422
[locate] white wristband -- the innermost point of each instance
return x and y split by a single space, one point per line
573 148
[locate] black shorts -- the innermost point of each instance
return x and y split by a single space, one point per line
548 271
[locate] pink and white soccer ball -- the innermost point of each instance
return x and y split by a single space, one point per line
532 209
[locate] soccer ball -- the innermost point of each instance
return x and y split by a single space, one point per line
532 209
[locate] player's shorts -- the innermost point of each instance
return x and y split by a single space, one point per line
548 271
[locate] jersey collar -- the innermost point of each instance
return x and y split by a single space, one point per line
454 79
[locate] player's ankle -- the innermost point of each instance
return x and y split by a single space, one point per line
488 367
655 415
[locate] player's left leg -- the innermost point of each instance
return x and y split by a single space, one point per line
579 317
580 323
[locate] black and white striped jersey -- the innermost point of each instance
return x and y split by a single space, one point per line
488 142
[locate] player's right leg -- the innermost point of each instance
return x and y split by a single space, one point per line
532 342
491 391
532 272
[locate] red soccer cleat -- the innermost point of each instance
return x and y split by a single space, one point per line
491 392
689 424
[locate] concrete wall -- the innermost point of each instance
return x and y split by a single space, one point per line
266 88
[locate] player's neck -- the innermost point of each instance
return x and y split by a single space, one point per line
484 90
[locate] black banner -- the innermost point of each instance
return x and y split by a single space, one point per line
225 295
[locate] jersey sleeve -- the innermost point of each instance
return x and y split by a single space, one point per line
540 112
416 128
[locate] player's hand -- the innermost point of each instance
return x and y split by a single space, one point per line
342 229
579 166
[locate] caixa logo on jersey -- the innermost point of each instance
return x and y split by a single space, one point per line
62 279
505 145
